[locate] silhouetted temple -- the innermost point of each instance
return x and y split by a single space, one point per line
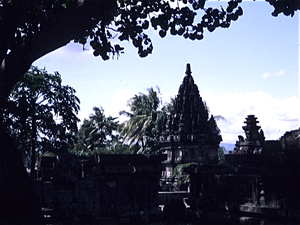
188 135
255 139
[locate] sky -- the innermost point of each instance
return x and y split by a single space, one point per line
252 67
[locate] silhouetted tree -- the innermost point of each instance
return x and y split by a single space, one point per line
42 114
32 29
99 134
142 117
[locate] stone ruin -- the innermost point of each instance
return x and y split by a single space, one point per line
103 189
255 139
189 135
259 183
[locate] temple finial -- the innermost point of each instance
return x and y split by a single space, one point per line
188 70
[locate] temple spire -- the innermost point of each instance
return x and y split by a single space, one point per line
188 70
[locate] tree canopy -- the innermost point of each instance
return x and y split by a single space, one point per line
43 26
139 134
98 134
42 114
31 29
141 130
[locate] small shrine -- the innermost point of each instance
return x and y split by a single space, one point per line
189 135
255 139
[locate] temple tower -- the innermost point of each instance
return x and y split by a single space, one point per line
255 139
189 135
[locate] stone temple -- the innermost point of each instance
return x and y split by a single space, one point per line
255 138
189 135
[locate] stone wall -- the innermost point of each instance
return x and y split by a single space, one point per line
111 188
264 186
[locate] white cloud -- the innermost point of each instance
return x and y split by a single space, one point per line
280 73
274 74
119 103
266 75
115 104
275 116
120 99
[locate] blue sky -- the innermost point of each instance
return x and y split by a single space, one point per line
250 68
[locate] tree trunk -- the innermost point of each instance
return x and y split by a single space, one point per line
33 141
19 203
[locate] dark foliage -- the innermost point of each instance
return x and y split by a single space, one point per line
42 114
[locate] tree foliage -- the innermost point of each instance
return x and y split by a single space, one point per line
145 120
42 113
99 134
221 155
180 176
31 29
287 7
43 26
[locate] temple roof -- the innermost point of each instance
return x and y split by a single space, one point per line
251 122
190 114
188 99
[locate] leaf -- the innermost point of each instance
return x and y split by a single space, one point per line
162 33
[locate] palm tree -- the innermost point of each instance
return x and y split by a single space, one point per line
142 115
95 132
218 117
100 128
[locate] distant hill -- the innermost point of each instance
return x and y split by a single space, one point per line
227 146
